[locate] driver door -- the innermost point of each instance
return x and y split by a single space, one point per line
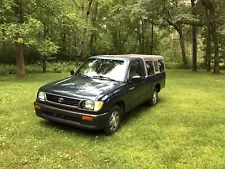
136 84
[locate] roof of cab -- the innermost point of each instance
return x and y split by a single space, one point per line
132 56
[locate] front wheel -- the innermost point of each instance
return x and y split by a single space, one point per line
113 120
154 98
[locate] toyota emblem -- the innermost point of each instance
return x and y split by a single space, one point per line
60 100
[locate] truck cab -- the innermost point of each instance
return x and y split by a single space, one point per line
102 90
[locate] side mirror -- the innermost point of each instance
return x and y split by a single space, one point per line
72 72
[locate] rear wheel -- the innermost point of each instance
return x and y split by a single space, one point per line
154 98
113 120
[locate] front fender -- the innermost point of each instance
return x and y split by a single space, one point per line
113 97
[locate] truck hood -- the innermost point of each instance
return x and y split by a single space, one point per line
80 87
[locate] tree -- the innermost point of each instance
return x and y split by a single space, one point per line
82 43
19 12
208 4
74 29
194 39
46 49
208 34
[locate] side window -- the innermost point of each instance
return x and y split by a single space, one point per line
135 69
156 65
150 68
161 66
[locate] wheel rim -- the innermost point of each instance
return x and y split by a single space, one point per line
154 98
114 120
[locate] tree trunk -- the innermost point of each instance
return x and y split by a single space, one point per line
208 4
194 48
208 52
124 41
81 50
139 38
44 64
115 41
92 47
64 41
20 60
93 33
70 46
152 38
194 41
20 46
44 58
119 42
208 46
182 46
82 8
3 43
143 37
216 43
178 28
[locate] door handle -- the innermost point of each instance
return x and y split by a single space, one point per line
132 88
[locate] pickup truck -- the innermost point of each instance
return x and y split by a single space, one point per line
102 90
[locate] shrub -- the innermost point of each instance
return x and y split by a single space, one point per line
3 71
54 67
173 65
34 68
7 69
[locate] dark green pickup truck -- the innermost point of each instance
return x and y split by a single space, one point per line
102 90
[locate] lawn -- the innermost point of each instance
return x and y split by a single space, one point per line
185 130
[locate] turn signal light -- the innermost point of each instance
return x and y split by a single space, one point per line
88 118
36 106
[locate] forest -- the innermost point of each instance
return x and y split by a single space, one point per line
188 33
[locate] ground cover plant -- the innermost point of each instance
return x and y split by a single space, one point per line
185 129
52 67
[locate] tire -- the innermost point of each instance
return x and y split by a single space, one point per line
154 98
113 120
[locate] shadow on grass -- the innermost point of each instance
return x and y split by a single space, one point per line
127 119
136 113
130 116
72 129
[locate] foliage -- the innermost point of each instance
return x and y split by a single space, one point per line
58 28
24 33
182 131
47 47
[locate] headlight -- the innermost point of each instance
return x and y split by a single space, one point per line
89 105
41 96
93 105
98 105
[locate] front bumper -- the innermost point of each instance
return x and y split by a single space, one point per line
70 117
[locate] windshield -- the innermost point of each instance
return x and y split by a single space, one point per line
108 68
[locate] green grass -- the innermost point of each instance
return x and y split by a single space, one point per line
185 130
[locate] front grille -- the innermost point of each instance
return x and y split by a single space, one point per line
62 100
61 106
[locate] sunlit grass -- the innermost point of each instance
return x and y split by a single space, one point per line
185 130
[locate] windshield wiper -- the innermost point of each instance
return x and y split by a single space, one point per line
83 75
104 77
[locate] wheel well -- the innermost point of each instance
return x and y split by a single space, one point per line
158 87
121 105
